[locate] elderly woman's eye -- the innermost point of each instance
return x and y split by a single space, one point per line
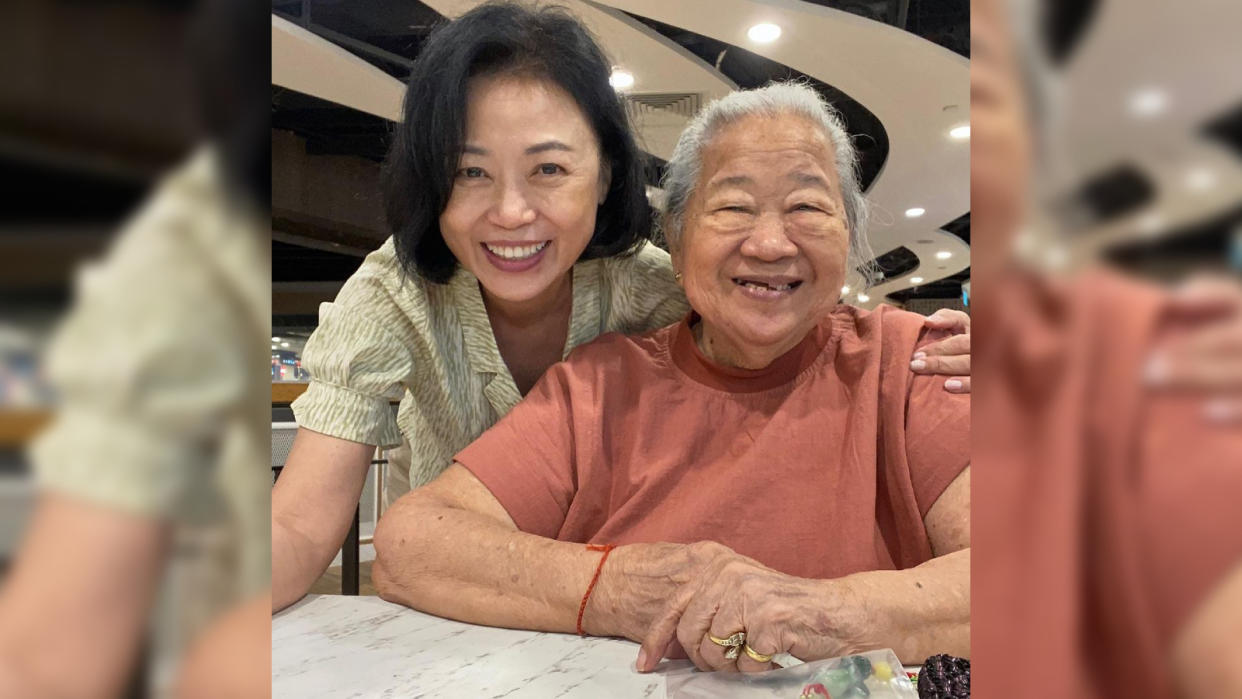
550 169
807 207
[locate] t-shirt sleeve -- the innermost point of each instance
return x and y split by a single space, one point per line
527 458
937 432
359 359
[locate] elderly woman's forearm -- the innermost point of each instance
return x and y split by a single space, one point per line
463 565
917 612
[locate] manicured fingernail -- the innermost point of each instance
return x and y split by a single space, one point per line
918 365
919 355
642 660
953 385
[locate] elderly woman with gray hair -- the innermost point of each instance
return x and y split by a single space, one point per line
765 476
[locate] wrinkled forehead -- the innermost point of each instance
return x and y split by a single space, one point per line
769 149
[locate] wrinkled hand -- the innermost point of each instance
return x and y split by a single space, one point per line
779 613
950 356
638 579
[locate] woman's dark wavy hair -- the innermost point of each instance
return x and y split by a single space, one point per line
547 43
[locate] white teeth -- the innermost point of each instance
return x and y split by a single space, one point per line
516 252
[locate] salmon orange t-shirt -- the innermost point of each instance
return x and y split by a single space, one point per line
820 465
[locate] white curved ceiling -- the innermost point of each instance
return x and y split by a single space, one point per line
1188 55
314 66
918 90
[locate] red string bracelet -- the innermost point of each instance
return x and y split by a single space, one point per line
607 549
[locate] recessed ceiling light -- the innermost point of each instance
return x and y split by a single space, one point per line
275 339
916 280
863 298
845 289
960 133
284 344
1148 102
915 212
1200 179
273 346
764 33
943 255
621 79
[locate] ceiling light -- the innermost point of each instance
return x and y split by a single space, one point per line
943 255
273 346
916 280
275 339
863 298
1200 179
621 79
1148 102
284 344
764 33
845 289
960 133
915 212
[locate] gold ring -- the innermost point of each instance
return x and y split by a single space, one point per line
733 641
755 656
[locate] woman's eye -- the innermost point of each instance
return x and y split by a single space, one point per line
550 169
470 172
807 207
736 209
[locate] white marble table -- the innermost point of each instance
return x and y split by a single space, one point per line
337 646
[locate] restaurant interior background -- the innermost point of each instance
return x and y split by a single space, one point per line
1149 150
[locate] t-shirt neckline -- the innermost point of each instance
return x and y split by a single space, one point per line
687 357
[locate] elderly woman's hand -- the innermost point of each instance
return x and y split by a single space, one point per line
950 356
638 579
779 614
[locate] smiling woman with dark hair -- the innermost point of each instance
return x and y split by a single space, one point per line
550 47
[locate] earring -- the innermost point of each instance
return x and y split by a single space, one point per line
677 276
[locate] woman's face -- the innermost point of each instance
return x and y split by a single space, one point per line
765 240
526 189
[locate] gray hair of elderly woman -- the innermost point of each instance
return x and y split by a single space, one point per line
682 173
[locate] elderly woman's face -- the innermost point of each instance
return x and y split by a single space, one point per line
527 187
764 242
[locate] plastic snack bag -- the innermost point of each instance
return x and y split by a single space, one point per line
873 675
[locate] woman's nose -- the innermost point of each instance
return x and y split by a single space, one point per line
512 208
768 240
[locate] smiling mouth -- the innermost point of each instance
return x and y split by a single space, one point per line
766 286
516 252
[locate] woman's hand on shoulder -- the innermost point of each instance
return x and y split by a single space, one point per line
950 356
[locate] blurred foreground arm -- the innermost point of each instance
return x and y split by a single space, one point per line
77 597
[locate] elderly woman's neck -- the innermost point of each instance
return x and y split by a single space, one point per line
729 354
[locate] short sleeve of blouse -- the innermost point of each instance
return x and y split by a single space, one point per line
360 357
